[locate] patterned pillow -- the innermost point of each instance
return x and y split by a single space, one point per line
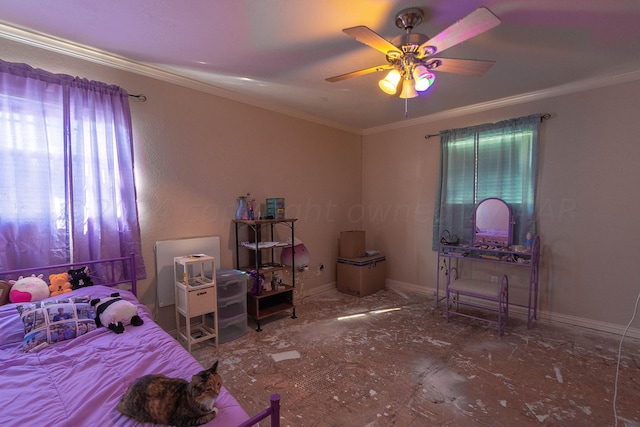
52 321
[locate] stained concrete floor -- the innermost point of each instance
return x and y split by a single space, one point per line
408 367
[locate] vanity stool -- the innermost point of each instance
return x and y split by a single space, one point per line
478 294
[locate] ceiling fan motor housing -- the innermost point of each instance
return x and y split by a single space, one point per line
406 19
409 43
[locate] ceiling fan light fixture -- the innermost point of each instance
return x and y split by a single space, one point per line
420 71
423 78
408 90
390 83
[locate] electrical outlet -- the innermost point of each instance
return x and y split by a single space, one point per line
494 279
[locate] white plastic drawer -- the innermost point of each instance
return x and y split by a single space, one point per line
202 301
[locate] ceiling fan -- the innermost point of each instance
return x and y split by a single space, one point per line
410 56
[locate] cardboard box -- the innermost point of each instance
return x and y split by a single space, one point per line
352 244
361 276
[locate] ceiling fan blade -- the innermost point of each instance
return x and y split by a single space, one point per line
477 22
369 37
469 67
359 73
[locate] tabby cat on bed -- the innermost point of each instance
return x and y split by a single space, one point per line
173 401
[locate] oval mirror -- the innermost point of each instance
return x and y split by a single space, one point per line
493 223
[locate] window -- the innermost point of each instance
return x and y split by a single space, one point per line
492 160
66 171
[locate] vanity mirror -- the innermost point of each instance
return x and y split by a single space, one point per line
493 223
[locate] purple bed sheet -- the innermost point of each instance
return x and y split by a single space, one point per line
79 382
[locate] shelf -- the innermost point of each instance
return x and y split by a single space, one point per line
264 221
270 303
457 248
262 260
496 255
196 299
268 293
263 245
273 310
199 333
264 268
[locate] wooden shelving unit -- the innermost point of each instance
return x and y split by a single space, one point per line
270 301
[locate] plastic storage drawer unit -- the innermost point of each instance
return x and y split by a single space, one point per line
233 308
231 283
232 304
233 328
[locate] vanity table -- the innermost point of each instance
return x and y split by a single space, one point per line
492 242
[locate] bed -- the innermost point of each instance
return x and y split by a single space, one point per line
78 381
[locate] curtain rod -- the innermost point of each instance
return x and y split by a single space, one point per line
140 97
543 117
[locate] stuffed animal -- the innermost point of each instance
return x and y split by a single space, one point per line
28 289
5 288
114 313
258 282
59 284
79 278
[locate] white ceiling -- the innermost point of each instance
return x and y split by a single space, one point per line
277 53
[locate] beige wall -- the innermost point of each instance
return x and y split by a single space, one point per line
195 153
587 202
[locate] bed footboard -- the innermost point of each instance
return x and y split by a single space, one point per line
108 267
273 411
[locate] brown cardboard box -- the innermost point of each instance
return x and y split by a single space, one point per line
352 244
361 276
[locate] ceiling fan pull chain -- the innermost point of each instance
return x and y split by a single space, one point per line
406 108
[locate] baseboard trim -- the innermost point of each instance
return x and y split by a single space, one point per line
589 324
410 287
543 315
317 290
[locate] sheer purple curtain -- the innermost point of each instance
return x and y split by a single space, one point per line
66 170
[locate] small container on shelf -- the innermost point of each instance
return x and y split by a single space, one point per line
275 207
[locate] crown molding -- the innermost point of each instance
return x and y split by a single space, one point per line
86 53
97 56
566 89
